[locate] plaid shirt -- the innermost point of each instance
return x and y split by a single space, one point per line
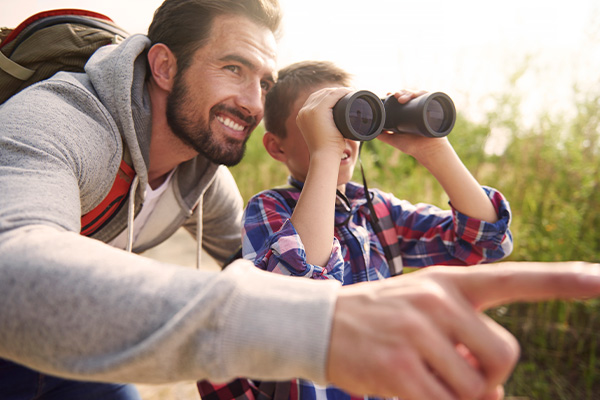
424 234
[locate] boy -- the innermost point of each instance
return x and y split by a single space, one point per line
322 226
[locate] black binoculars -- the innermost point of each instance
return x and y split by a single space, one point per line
362 115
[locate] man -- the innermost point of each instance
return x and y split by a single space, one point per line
174 106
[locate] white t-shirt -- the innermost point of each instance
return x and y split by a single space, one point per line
151 198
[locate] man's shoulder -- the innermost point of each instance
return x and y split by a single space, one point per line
63 94
62 117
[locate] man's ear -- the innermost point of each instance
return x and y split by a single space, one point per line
163 66
272 144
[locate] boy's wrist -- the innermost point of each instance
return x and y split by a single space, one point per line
326 156
434 153
323 169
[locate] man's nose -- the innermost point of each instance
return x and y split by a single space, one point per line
251 100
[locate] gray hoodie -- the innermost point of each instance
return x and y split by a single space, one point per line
75 307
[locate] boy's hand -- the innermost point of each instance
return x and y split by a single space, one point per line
315 120
439 157
420 147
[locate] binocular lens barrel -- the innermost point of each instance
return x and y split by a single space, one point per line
431 115
359 115
362 115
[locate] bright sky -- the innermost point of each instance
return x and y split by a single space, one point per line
466 48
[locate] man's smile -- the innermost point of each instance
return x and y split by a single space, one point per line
228 122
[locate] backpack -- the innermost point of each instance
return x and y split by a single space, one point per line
52 41
62 40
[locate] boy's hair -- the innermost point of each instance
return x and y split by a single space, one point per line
292 80
184 25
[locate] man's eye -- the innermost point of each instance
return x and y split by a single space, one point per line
266 86
233 68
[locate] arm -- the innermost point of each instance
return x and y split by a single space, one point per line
438 156
78 308
313 216
428 235
464 192
270 240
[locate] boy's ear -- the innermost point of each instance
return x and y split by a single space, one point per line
272 144
163 66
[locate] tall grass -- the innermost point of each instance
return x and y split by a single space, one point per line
550 173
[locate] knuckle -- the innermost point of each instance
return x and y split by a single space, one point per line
506 353
433 296
402 361
473 389
412 324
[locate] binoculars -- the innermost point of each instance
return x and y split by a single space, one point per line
362 115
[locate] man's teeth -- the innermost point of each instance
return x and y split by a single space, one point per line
230 124
345 156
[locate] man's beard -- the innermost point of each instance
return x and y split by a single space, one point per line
198 135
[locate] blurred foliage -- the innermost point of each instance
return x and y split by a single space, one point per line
550 173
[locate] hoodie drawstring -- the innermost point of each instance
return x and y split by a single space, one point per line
199 232
131 213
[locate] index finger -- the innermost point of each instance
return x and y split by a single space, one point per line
495 284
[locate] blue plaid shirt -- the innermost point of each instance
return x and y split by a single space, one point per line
426 235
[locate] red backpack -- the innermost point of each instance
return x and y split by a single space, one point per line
62 40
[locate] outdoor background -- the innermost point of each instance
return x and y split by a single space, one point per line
525 78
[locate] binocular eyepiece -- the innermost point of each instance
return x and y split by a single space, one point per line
361 115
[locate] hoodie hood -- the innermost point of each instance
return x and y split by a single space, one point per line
122 90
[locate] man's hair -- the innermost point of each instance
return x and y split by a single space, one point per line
184 25
292 80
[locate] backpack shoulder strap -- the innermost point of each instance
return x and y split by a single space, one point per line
101 214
